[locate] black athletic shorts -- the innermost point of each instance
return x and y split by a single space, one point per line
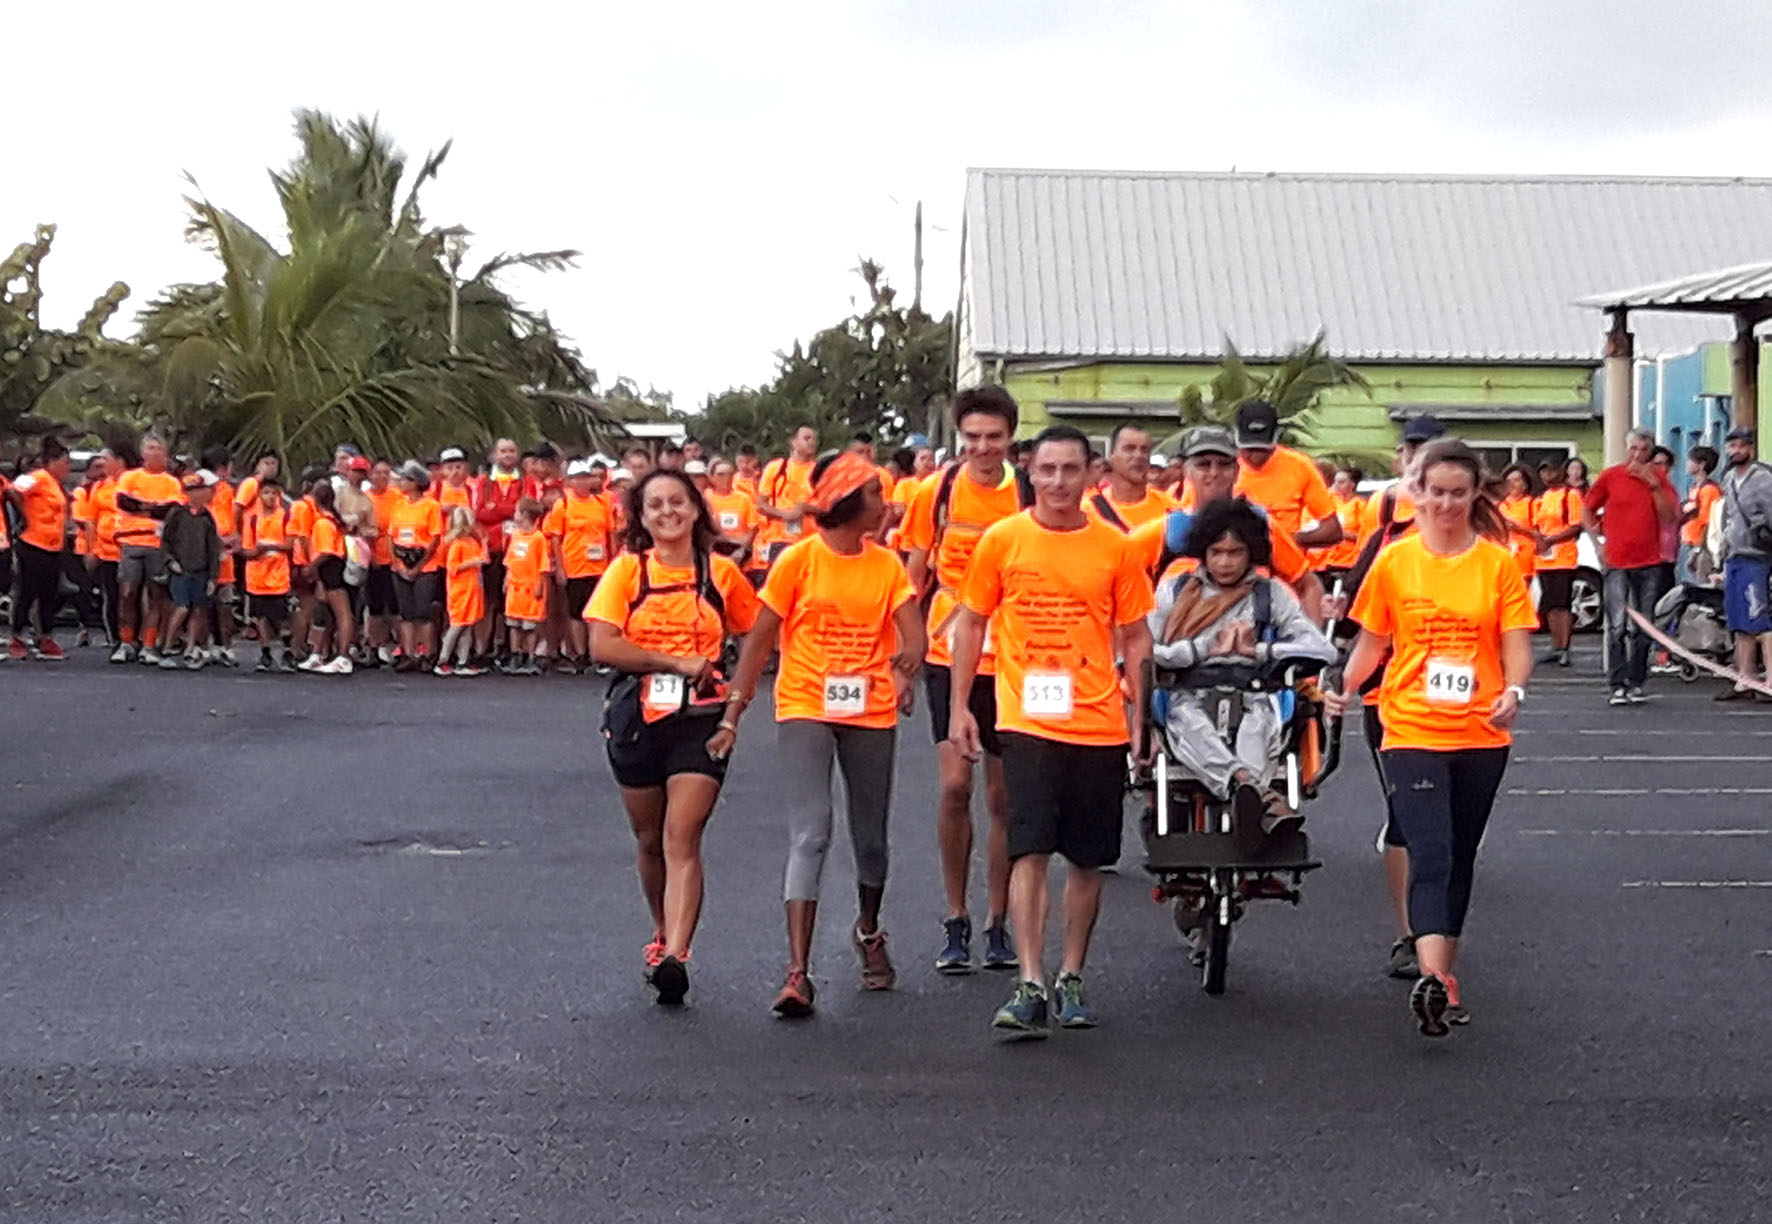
578 594
329 573
666 748
938 683
1557 586
378 591
417 598
492 582
272 609
1064 798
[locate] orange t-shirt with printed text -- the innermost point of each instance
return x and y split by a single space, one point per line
527 566
269 574
1352 512
785 483
837 638
1445 617
464 593
1289 487
155 488
972 509
735 513
45 510
1054 599
581 525
1557 510
414 524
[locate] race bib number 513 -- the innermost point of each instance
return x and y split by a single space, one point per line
1046 695
1450 683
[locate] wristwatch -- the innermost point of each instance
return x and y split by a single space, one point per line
1519 692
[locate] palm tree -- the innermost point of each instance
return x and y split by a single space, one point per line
346 334
1295 387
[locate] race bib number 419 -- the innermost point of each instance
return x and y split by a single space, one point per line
1450 683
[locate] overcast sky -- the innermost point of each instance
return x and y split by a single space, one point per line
722 165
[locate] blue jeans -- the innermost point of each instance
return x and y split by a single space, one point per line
1629 588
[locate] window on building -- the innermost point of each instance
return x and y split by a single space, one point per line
1498 456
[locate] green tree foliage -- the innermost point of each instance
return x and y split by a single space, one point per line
344 333
32 357
880 370
1295 387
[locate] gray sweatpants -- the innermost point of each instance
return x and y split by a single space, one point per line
806 750
1195 744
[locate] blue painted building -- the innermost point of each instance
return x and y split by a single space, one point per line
1678 401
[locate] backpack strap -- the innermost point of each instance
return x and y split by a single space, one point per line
1263 597
1105 507
703 587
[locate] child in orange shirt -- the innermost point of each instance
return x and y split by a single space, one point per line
527 566
464 553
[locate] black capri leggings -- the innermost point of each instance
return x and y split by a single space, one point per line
1440 801
417 597
39 586
1374 728
107 589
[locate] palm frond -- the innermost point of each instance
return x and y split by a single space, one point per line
541 261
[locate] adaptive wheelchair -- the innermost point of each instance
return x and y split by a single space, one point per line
1191 843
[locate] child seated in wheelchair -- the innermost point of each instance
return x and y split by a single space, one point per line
1221 622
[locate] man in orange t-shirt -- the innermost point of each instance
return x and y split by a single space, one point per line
943 523
1128 501
381 609
579 530
144 497
1061 590
1281 481
735 519
783 491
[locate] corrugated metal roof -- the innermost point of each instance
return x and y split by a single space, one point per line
1065 264
1746 284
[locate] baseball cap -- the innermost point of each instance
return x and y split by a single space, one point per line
416 472
1158 459
578 467
620 474
695 467
359 463
451 454
1258 425
1209 440
1740 433
1423 428
203 479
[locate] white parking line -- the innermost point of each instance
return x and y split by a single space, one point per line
1547 791
1698 884
1646 832
1643 758
1664 732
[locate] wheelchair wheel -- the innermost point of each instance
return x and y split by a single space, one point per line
1216 944
1688 671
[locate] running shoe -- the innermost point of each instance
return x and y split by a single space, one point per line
264 664
223 655
1619 697
341 666
171 662
195 661
443 669
651 954
149 657
955 956
1428 1003
83 639
795 1000
286 666
1073 1012
1403 965
1731 693
386 655
123 653
999 952
15 649
469 669
1025 1015
1636 695
312 663
877 972
50 651
1456 1015
671 982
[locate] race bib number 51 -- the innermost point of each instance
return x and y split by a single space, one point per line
1046 695
664 691
845 696
1450 683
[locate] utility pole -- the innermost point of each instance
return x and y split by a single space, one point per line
917 292
455 248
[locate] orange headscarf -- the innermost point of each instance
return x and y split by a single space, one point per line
844 475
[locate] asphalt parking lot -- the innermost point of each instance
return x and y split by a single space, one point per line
302 948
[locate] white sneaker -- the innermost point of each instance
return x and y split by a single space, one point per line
149 657
341 666
312 663
121 654
386 655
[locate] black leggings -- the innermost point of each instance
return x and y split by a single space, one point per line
1374 727
1440 801
85 600
107 589
39 585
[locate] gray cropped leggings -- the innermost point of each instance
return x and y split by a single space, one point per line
806 750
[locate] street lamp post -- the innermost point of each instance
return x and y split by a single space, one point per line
455 248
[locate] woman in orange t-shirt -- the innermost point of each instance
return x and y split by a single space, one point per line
851 637
1449 607
415 530
464 556
42 505
1520 508
661 615
329 643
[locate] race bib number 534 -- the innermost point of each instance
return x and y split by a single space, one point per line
845 696
1450 683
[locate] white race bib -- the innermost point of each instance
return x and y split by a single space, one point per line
795 527
519 549
728 521
845 696
1046 694
407 535
664 691
1449 682
593 552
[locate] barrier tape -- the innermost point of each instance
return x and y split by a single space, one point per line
1698 661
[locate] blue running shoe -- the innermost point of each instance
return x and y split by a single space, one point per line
956 955
1073 1012
1024 1016
999 953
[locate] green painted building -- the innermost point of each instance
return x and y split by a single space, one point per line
1096 297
